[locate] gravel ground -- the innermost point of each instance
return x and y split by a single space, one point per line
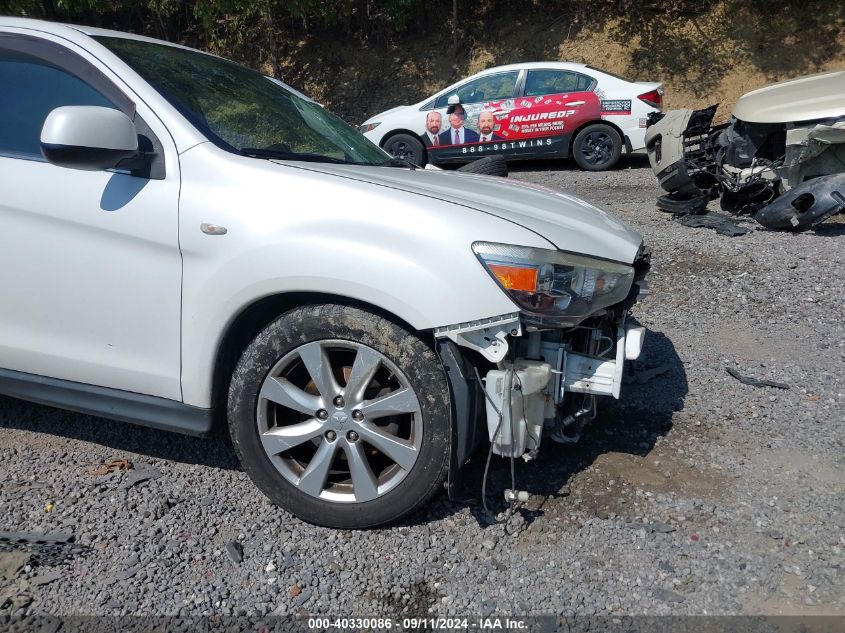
693 494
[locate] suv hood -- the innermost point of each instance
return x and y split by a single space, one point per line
808 98
568 223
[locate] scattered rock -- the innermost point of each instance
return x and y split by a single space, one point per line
46 579
11 564
235 551
140 474
667 595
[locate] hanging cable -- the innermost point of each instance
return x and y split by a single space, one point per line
490 450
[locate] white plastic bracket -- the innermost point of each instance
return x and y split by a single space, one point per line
591 374
486 336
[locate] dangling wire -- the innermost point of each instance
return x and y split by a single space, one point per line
511 376
490 450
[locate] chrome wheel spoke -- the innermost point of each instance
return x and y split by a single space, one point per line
313 480
283 392
400 401
397 449
283 438
317 363
367 362
304 449
364 483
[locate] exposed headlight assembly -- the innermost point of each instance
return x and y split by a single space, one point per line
369 127
554 288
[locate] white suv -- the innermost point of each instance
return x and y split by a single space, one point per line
185 242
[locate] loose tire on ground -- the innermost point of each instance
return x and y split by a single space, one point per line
407 147
344 363
488 166
597 147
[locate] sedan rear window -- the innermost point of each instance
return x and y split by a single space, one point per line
549 82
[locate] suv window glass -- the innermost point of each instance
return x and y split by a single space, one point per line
488 88
241 110
549 82
32 88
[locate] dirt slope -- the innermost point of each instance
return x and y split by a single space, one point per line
714 57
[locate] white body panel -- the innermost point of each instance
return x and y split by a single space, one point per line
807 98
90 267
412 117
293 228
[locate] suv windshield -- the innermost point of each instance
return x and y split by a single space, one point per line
243 111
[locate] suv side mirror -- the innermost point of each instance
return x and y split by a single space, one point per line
88 137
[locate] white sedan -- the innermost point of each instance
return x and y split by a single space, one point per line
531 110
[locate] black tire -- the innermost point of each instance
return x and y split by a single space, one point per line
597 147
488 166
406 147
328 325
731 203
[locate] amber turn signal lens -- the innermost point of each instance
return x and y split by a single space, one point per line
515 277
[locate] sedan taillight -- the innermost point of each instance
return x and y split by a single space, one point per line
653 98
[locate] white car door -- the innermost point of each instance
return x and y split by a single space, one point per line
473 95
90 267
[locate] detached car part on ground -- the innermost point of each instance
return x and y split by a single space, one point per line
220 249
781 158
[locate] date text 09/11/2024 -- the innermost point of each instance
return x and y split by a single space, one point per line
416 624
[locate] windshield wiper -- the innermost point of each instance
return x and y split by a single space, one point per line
258 152
400 162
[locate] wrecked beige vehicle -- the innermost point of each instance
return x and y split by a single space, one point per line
780 158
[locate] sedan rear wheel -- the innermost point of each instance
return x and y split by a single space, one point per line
325 411
597 147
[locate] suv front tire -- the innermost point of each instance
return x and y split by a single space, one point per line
341 416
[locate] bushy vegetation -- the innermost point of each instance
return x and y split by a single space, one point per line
360 56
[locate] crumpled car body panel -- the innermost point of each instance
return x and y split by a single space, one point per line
774 170
808 98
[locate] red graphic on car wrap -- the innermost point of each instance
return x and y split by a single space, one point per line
513 126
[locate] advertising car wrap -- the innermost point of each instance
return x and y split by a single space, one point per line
518 126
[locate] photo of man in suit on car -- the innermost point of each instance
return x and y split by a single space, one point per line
457 134
433 123
485 125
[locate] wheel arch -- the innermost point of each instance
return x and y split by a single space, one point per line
255 316
609 124
400 130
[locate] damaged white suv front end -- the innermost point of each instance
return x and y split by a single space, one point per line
540 372
571 336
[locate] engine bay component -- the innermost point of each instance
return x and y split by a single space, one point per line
779 159
524 399
517 406
538 373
